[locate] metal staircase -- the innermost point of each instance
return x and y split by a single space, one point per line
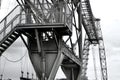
85 56
8 40
88 21
9 32
54 18
94 33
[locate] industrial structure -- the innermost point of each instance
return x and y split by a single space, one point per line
54 31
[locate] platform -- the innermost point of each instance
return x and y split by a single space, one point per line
60 28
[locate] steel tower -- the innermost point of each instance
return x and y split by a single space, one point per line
54 36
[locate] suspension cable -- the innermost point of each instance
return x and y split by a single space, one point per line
14 61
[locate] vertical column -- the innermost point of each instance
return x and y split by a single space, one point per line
28 13
103 62
73 78
79 10
42 58
40 51
102 54
85 54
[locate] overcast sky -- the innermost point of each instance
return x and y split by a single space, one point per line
109 13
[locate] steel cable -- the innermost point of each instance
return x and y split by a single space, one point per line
14 61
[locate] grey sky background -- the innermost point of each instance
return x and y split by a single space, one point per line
109 13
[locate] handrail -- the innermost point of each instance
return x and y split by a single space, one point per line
89 20
10 21
16 15
9 13
10 26
47 12
8 18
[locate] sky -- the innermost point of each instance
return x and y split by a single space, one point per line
109 13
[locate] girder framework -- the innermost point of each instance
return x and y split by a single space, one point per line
89 21
102 55
85 56
54 33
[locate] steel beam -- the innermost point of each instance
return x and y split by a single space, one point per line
56 65
70 54
28 26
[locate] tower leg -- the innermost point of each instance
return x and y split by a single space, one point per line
45 56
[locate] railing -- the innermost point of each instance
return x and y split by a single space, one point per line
15 17
55 16
88 18
50 13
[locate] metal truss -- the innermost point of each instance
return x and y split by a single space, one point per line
85 57
54 32
102 54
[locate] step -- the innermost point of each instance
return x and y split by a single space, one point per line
2 49
4 46
13 37
10 40
15 34
6 43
